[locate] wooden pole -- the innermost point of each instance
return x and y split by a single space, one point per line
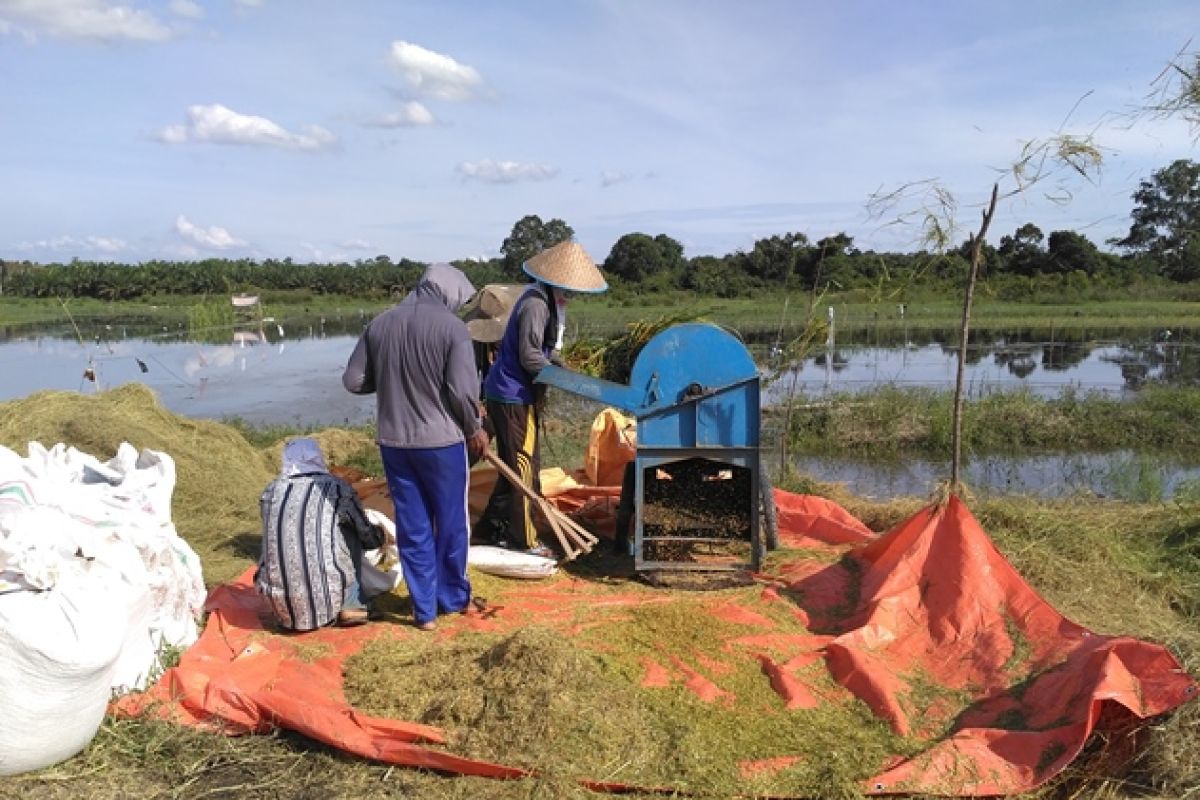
563 527
976 259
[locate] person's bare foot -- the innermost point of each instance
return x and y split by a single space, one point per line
431 625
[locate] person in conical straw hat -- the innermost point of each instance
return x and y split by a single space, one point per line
532 339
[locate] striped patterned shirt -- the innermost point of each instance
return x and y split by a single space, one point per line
306 563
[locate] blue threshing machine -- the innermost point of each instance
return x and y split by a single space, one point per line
694 390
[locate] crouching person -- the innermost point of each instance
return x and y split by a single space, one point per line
314 534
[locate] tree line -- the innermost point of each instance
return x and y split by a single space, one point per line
1163 243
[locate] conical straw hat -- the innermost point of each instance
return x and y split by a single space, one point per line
488 312
567 266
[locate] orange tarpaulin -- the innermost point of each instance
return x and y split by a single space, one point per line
931 600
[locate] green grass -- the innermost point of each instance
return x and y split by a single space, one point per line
766 313
889 422
607 314
209 315
175 310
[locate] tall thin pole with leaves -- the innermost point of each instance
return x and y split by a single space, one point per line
976 242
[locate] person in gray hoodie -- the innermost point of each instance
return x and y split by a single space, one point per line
418 359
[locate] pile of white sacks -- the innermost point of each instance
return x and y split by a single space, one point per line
94 585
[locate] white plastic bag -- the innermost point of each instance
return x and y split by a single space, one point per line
374 580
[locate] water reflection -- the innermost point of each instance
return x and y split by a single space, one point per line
99 329
996 361
267 372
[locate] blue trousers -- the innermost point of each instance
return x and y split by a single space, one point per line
429 490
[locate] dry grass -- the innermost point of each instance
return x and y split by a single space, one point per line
147 760
340 446
574 707
530 698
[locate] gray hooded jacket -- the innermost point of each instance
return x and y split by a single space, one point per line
418 358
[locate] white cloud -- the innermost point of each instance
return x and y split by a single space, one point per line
316 255
187 9
249 3
612 176
490 171
355 244
220 125
434 75
81 19
411 115
105 245
212 238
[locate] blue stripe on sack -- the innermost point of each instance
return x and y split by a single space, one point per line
326 529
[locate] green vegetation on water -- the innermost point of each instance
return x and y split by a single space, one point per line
890 421
177 310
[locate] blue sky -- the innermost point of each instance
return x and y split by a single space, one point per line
424 129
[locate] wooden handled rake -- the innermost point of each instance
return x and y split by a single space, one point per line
566 530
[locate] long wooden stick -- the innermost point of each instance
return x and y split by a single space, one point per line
579 534
563 527
579 530
560 534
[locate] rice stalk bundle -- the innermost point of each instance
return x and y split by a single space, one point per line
612 359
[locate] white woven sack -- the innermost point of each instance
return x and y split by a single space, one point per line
509 564
58 652
117 513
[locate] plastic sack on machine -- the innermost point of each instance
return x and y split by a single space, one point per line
94 584
612 443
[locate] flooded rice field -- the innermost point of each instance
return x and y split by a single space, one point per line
1042 361
288 372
